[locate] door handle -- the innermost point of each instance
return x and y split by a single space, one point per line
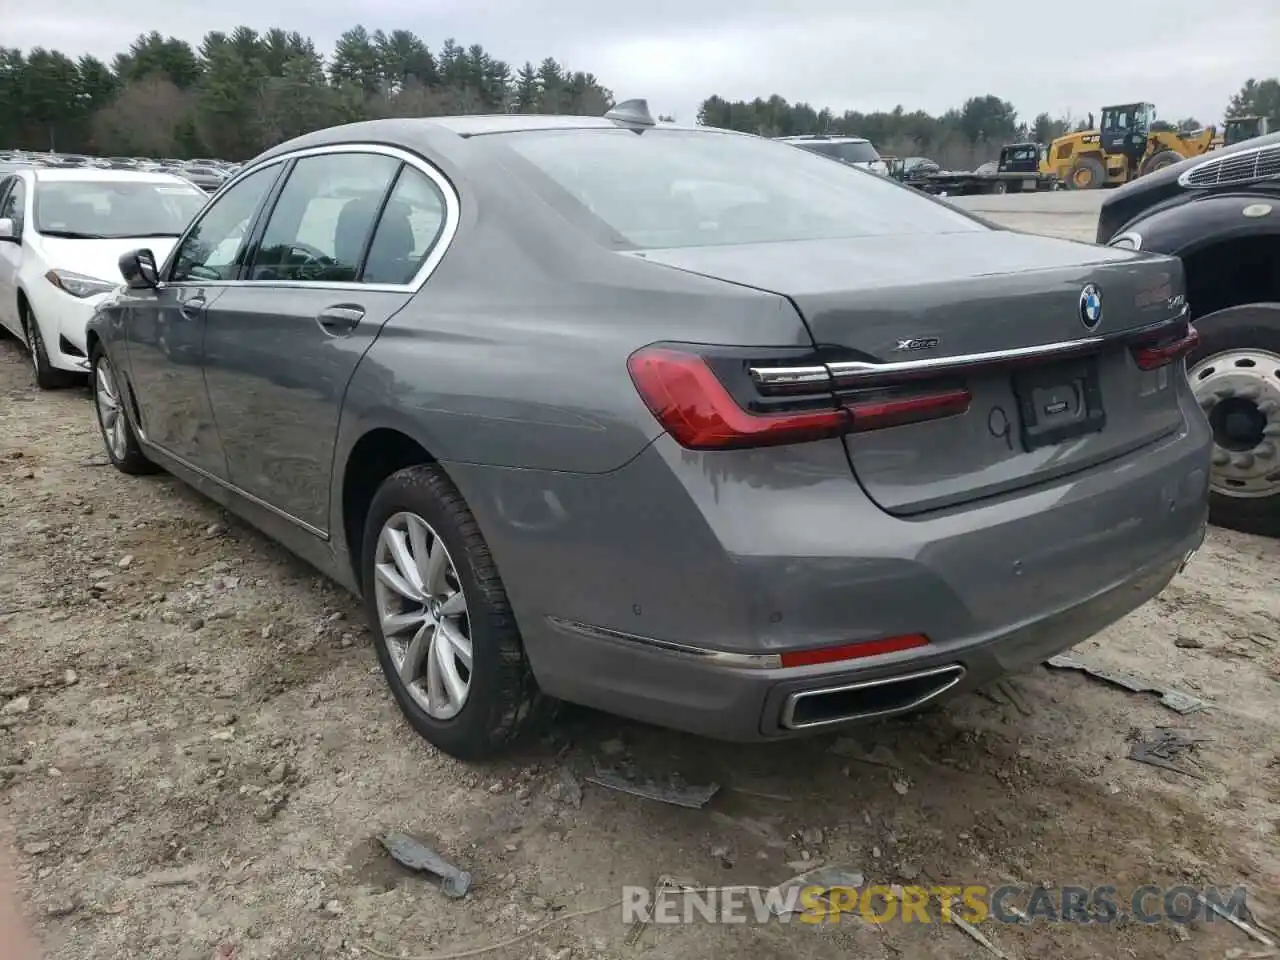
341 319
192 307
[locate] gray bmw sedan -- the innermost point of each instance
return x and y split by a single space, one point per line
679 423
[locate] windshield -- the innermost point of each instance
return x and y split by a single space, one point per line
679 188
104 209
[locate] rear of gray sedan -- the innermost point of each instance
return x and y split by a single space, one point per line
764 446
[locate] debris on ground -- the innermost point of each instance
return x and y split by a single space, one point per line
971 930
1010 691
851 749
566 789
1166 748
1175 700
1236 922
827 878
416 855
675 791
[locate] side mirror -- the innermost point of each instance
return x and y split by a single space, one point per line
8 230
138 267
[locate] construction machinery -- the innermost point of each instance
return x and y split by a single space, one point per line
1127 144
1238 129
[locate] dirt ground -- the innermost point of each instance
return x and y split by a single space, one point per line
197 751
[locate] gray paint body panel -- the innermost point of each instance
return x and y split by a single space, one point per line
509 368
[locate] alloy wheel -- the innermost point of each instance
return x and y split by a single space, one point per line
110 409
422 612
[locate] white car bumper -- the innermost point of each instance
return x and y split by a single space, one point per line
64 322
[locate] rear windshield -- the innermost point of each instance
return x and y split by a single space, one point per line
862 152
684 188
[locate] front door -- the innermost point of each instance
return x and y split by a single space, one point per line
340 255
165 327
13 193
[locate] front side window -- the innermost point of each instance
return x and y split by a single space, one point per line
408 230
211 251
114 209
323 219
683 188
15 204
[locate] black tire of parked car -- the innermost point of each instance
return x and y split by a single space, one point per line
999 187
504 702
134 462
1255 326
48 377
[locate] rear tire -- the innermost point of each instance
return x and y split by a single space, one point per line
999 187
501 701
1165 158
1087 173
1238 356
48 377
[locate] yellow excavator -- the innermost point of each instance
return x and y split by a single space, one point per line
1127 144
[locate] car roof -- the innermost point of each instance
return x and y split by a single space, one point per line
100 175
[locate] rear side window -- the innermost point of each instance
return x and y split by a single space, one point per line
323 218
408 230
685 188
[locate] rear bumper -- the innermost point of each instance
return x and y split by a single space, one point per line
695 693
666 590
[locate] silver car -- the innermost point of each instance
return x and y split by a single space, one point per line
684 424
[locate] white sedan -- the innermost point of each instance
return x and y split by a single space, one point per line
61 235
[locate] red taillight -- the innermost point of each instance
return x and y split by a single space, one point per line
695 407
897 412
853 651
1151 358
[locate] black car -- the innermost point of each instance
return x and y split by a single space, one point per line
1220 213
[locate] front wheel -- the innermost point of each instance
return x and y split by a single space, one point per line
121 442
48 377
444 631
1235 374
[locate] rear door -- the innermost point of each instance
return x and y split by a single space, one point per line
348 242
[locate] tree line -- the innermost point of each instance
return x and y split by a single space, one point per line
960 138
238 93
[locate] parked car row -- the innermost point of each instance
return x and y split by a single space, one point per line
679 423
208 175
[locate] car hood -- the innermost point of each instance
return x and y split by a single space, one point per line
100 258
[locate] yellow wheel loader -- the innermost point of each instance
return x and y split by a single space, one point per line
1127 144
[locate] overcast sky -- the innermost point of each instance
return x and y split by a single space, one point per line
1186 56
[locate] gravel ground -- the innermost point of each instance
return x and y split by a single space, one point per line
197 752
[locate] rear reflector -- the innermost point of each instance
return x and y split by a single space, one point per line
695 407
1152 358
853 651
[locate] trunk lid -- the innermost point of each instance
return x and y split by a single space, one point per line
889 310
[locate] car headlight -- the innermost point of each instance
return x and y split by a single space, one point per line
1129 241
78 285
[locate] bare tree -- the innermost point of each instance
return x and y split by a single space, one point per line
145 118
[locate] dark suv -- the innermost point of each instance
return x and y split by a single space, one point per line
1221 214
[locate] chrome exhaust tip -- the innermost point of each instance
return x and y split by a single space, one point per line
867 699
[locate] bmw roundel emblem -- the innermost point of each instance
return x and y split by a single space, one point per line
1090 306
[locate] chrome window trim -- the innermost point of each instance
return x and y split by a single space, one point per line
452 217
